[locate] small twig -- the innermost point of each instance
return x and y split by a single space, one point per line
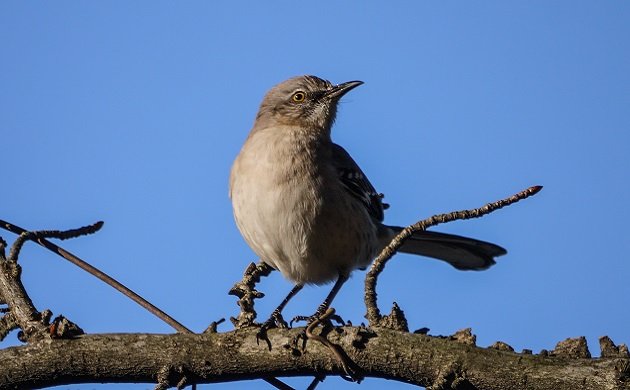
20 313
277 383
21 309
7 324
212 328
101 275
373 314
59 234
316 381
7 321
246 292
163 382
3 244
63 328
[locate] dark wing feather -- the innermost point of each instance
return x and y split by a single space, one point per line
357 184
461 252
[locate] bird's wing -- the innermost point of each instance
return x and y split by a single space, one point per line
461 252
357 184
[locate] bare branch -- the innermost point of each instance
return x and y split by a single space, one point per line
28 318
22 312
277 383
316 381
246 291
223 357
98 273
3 245
373 313
59 234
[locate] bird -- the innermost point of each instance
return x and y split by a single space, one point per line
306 208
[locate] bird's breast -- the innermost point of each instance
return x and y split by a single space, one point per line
276 195
286 207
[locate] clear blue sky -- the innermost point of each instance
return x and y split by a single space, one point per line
132 113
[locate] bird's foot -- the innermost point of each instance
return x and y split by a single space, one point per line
275 320
325 319
352 371
323 315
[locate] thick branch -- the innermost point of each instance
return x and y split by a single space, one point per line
21 312
222 357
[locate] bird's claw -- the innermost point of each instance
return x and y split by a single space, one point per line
325 318
321 317
274 321
308 319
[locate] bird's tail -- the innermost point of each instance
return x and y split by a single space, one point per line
462 253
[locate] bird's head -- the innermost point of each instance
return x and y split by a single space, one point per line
304 101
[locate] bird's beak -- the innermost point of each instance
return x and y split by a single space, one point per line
341 89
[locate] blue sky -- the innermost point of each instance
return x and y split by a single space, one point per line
132 113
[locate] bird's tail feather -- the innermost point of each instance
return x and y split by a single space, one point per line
462 253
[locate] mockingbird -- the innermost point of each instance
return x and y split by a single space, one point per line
305 207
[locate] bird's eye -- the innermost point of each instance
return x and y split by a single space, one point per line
298 97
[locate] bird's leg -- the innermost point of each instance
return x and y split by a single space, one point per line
321 310
276 316
353 371
324 315
275 319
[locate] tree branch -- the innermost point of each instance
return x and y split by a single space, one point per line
223 357
21 312
43 234
41 240
246 291
373 314
386 351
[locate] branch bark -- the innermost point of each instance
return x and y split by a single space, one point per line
386 350
434 362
